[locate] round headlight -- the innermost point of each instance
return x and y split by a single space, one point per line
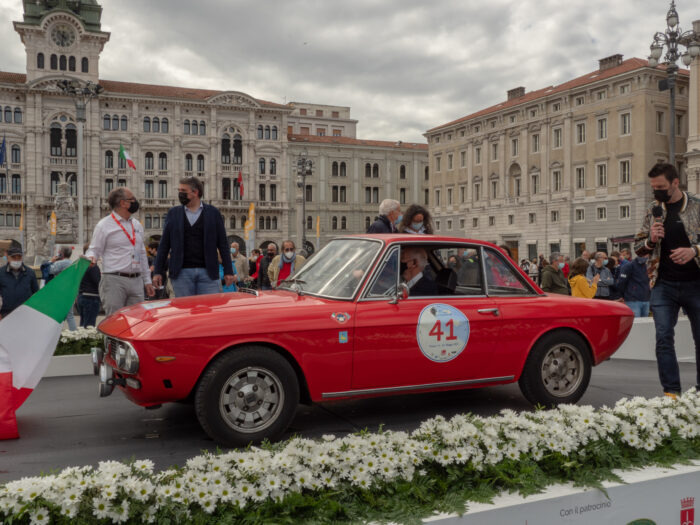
121 355
131 362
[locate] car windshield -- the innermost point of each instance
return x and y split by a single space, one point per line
337 270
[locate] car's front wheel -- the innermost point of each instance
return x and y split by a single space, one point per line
246 395
557 370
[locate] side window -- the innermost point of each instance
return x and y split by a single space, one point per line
386 278
501 278
464 261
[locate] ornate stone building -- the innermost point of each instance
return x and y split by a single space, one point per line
244 149
562 168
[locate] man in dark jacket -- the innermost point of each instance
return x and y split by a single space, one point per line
633 284
17 282
389 216
412 268
192 235
553 279
89 295
263 277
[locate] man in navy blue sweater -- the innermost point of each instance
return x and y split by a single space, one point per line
192 236
633 284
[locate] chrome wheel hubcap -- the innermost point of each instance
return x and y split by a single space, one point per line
251 399
562 370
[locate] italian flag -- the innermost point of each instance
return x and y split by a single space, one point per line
28 338
123 154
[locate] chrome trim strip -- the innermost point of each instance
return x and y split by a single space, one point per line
415 387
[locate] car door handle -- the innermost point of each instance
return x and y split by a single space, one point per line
493 311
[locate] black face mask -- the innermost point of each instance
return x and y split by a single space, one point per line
184 199
133 206
662 195
403 267
270 255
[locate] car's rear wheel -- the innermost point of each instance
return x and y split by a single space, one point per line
246 395
557 370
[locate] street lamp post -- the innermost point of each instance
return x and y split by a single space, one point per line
81 94
304 168
672 38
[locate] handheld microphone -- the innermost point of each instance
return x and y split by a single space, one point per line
657 211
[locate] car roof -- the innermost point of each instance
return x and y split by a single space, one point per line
404 237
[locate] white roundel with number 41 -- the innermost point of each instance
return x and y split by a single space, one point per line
442 333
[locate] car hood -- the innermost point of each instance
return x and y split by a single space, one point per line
169 311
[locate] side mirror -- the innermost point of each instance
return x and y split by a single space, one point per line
401 293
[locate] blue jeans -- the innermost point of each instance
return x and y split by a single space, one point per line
195 281
640 308
667 298
70 319
88 308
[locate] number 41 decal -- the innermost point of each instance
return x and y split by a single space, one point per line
442 332
436 331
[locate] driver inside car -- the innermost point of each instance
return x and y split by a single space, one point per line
413 263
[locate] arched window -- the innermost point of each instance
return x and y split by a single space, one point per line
162 161
261 164
54 62
188 162
268 223
148 222
426 173
16 184
84 63
115 123
156 125
309 222
200 163
109 160
40 61
402 172
334 169
18 115
148 165
106 122
232 222
334 223
71 63
3 184
8 114
109 185
71 140
274 132
343 223
274 223
237 149
121 162
125 123
121 183
309 193
226 149
226 188
186 127
194 127
16 156
368 170
260 132
261 222
146 124
156 221
375 171
267 132
55 139
368 223
243 219
343 170
202 128
162 189
62 63
164 125
148 189
273 167
54 182
72 181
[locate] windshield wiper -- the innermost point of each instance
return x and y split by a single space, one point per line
295 285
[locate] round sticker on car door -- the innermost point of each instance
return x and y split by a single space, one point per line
442 333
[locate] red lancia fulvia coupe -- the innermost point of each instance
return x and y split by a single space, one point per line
348 325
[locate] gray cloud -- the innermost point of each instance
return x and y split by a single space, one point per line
404 66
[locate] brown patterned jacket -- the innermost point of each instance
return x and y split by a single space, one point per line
690 217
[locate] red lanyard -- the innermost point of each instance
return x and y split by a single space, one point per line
132 239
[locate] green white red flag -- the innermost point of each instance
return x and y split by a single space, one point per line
123 154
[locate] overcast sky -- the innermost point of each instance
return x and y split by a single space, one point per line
404 66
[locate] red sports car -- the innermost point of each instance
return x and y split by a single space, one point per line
367 315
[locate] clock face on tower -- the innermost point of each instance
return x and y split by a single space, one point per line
63 35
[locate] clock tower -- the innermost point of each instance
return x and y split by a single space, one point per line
62 37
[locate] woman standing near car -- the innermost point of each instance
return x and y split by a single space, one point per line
580 287
416 219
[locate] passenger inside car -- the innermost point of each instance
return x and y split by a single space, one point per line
413 263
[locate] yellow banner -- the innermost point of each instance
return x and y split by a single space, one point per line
53 223
21 218
249 225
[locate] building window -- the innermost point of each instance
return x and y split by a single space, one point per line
54 62
462 194
40 61
84 65
156 125
463 159
625 171
494 189
556 180
492 220
402 172
115 123
109 160
601 95
602 129
273 167
475 222
511 219
148 164
343 223
334 223
121 163
580 178
402 195
514 147
477 155
556 138
554 215
71 63
71 141
186 127
581 133
580 100
106 122
309 193
261 132
368 195
531 218
426 197
375 171
164 125
536 143
343 169
426 177
449 161
162 189
162 161
375 195
188 162
494 151
267 132
449 196
200 163
580 215
274 131
660 121
16 157
625 124
449 225
62 63
437 164
124 123
624 89
334 169
556 107
368 170
273 192
146 124
602 213
55 133
679 125
109 186
437 198
18 116
625 211
535 184
602 175
477 191
518 188
261 166
261 192
148 189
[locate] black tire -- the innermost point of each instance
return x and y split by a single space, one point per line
557 370
246 395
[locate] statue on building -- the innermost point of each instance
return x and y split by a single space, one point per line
66 231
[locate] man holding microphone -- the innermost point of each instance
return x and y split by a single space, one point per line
670 239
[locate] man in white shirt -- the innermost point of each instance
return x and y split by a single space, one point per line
118 241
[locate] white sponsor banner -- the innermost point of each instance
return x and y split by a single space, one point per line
652 496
